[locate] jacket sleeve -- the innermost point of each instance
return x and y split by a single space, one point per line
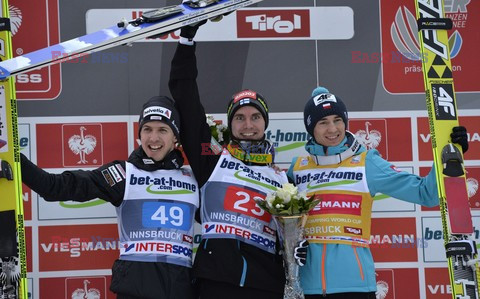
290 176
382 177
77 185
195 133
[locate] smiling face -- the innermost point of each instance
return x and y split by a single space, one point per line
329 131
157 139
248 124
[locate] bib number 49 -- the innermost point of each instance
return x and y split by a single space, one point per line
166 215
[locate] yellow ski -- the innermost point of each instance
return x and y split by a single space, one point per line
461 250
13 265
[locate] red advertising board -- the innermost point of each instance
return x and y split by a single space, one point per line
76 287
392 137
473 179
81 145
401 61
27 202
28 247
397 283
472 123
437 283
77 247
394 240
35 25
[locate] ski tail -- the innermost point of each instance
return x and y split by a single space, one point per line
12 246
460 247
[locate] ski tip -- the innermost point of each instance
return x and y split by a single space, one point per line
4 74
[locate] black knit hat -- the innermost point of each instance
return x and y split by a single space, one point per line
163 109
247 97
322 104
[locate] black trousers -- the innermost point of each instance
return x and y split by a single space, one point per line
210 289
370 295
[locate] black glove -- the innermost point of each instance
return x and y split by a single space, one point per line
6 170
459 136
189 31
300 253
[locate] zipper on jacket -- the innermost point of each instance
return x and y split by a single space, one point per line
205 244
324 281
358 261
244 270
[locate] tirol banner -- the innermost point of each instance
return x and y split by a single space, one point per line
400 54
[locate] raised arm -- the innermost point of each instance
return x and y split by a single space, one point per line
195 133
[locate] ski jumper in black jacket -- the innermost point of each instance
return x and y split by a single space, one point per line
145 273
223 267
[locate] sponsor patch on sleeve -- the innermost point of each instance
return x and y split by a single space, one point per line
121 170
108 178
115 173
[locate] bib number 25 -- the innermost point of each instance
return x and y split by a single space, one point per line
243 201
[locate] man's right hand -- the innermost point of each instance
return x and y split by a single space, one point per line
190 31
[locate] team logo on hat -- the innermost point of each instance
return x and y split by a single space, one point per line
324 97
157 110
245 94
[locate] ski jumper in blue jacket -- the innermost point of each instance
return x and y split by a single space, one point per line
347 177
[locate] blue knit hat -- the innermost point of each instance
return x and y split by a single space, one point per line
322 104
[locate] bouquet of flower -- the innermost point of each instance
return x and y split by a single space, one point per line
287 201
219 131
220 134
289 209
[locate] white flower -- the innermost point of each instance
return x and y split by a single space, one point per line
284 195
269 199
210 121
219 134
279 206
290 189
